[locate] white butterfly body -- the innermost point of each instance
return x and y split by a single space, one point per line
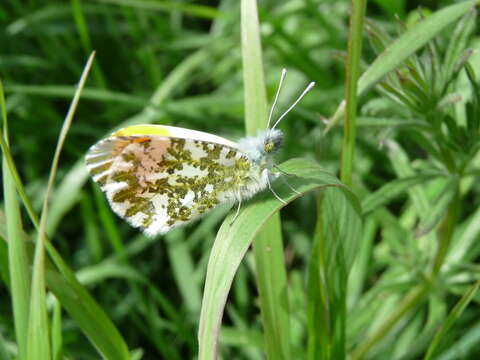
159 177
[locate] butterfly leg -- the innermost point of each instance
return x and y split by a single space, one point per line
239 199
283 172
273 192
290 186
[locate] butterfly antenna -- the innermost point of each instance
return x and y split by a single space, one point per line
307 89
282 78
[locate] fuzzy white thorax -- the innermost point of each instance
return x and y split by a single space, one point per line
262 160
254 146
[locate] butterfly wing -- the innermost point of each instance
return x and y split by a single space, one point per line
161 180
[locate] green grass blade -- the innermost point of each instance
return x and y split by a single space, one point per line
317 312
452 317
57 337
391 190
403 47
268 246
439 207
256 109
358 278
272 285
88 315
84 34
38 329
170 6
109 342
338 234
183 270
233 241
4 263
18 257
67 91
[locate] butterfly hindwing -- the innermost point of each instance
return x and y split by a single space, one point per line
158 182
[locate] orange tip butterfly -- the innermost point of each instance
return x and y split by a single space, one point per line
159 177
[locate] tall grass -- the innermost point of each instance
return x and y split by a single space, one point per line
382 264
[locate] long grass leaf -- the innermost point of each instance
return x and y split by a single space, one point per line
18 257
88 315
268 246
109 343
66 92
233 241
56 333
38 329
183 271
170 6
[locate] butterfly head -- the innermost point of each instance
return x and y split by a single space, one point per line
273 140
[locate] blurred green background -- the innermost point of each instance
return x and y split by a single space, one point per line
179 63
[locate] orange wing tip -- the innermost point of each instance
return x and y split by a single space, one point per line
143 130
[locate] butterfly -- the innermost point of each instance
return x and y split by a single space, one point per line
159 177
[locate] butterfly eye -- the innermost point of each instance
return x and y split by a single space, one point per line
269 147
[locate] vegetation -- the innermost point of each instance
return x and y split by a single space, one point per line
375 258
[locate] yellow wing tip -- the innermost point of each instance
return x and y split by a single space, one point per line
144 129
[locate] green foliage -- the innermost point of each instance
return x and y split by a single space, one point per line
384 269
271 275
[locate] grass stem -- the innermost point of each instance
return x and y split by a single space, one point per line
352 74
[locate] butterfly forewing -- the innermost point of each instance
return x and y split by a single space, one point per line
159 182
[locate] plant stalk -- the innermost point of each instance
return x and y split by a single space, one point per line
352 74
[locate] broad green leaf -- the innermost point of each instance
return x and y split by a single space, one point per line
403 47
233 241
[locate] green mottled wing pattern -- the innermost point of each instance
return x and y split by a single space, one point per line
160 182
